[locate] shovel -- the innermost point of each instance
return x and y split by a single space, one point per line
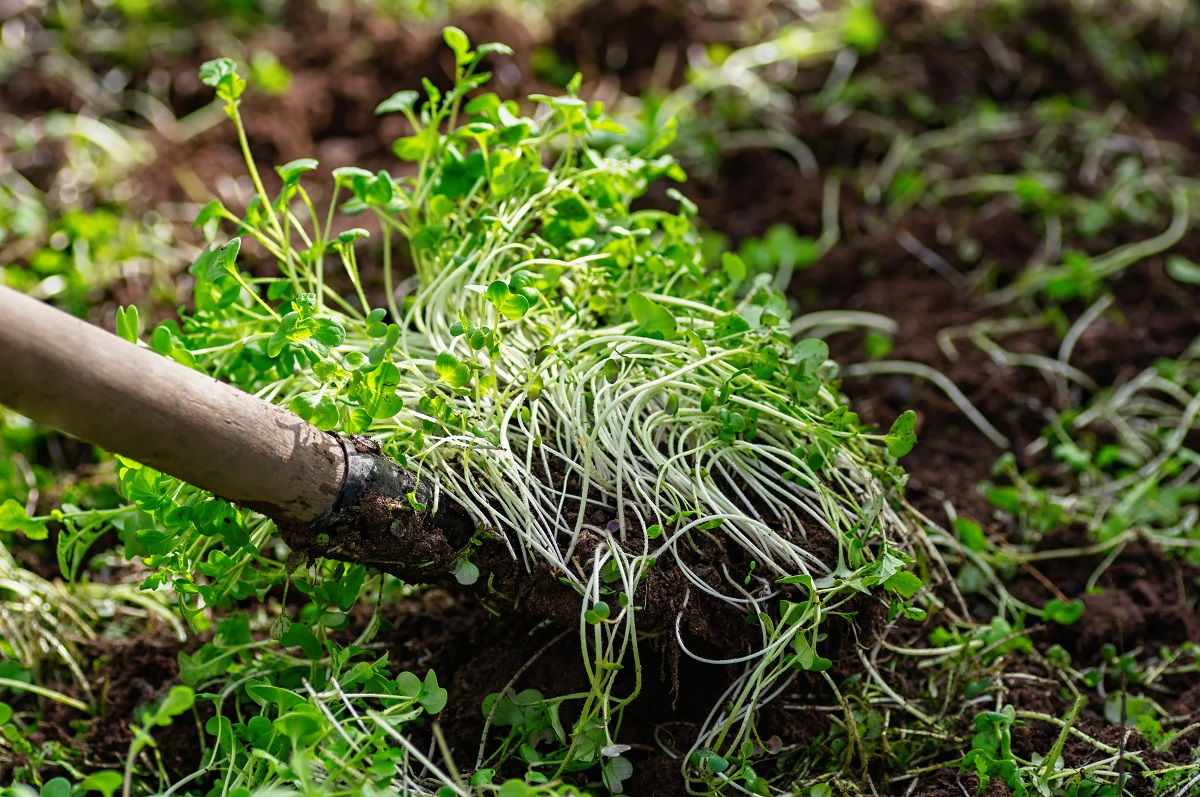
331 495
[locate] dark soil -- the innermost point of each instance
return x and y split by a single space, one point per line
1145 601
341 71
130 674
643 44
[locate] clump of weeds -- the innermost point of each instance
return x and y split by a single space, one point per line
554 357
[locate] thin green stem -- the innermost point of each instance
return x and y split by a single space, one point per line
43 691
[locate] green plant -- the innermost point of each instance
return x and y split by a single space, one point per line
555 336
497 397
178 701
66 245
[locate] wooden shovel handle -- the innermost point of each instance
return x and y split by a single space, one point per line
65 373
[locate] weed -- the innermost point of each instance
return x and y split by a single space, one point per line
553 329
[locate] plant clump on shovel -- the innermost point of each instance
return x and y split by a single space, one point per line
606 426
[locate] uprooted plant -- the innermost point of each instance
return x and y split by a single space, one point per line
585 402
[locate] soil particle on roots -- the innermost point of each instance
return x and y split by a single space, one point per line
421 547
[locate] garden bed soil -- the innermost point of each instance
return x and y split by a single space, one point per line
341 72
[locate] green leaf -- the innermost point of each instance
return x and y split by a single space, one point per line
222 75
484 104
6 713
279 338
663 138
414 147
511 305
379 193
434 697
1134 709
806 658
902 436
106 782
451 371
465 573
494 47
559 102
863 29
348 175
686 206
497 292
176 702
58 787
904 583
206 663
614 772
127 323
225 261
329 332
299 634
791 613
1068 613
290 172
971 534
305 304
1005 498
458 42
809 354
209 212
357 421
653 319
403 101
216 287
319 410
516 788
379 397
14 518
303 725
733 266
409 684
888 565
598 613
382 349
268 694
268 74
1183 270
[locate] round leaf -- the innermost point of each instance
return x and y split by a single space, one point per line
902 436
290 172
403 101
